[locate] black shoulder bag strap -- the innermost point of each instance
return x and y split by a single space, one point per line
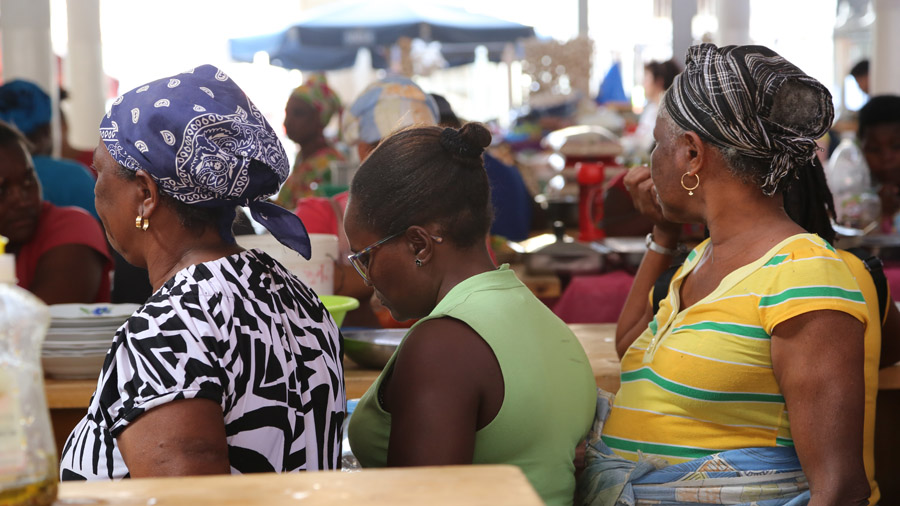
661 286
876 270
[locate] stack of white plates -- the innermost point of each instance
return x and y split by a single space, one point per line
79 336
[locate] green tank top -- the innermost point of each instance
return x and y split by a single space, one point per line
549 390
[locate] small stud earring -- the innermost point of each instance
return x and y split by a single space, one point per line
418 263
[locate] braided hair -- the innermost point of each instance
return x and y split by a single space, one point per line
424 175
809 202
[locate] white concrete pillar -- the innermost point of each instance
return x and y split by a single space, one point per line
734 22
27 49
884 67
583 18
84 70
683 12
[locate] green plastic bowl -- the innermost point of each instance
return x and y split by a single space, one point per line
338 305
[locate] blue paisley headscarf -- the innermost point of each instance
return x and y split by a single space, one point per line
206 144
726 95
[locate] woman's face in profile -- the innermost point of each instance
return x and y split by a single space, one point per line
662 166
109 199
20 195
386 272
301 120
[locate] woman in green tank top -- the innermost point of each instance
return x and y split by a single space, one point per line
488 374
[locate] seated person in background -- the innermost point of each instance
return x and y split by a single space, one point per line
384 106
658 76
65 182
61 253
620 218
860 73
879 138
512 202
488 375
308 110
233 365
762 319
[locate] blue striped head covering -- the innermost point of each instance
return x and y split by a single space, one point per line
386 106
726 95
203 141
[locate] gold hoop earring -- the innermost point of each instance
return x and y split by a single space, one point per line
691 189
142 223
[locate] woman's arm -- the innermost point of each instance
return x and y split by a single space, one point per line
817 358
637 313
68 273
179 438
446 384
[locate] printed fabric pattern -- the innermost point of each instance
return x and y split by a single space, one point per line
240 331
746 477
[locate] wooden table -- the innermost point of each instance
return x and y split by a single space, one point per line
68 399
436 486
597 339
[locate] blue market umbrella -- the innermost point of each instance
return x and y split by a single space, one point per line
329 36
285 50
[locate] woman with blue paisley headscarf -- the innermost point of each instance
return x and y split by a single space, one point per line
233 365
747 384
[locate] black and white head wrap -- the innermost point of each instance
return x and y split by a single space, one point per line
726 96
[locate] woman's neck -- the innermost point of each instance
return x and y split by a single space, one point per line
169 257
747 232
310 147
464 265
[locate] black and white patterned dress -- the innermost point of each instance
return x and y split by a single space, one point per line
241 331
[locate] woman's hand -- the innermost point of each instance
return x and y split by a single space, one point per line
817 358
643 194
637 312
890 199
179 438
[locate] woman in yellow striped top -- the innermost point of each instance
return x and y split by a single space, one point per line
763 319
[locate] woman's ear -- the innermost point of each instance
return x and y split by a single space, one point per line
421 244
149 193
697 152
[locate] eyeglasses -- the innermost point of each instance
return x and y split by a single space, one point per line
363 258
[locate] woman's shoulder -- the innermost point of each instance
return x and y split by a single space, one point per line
444 348
249 274
807 243
68 225
67 216
805 252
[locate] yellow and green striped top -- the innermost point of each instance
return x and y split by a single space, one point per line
699 381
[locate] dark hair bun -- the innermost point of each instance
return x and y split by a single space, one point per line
468 142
